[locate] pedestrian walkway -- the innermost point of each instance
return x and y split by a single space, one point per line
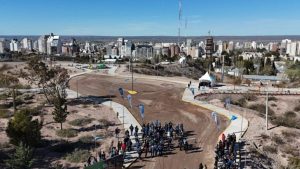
237 126
127 118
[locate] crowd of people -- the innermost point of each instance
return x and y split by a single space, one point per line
226 153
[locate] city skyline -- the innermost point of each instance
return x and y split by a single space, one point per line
150 18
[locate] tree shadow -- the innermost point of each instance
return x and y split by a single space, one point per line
91 100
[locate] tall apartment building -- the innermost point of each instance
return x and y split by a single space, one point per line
14 45
42 43
3 45
53 45
26 44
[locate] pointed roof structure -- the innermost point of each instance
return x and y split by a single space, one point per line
208 78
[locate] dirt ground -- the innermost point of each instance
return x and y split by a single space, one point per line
162 102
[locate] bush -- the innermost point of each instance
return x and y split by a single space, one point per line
287 122
262 110
272 98
81 122
277 139
66 133
297 108
86 139
294 162
264 136
288 135
78 156
290 114
4 113
274 105
270 149
105 123
62 147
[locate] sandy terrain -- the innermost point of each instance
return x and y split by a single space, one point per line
163 102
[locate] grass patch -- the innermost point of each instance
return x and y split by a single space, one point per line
5 113
81 122
290 114
288 120
4 96
66 133
78 156
270 149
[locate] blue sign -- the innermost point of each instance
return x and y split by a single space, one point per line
142 110
121 92
129 100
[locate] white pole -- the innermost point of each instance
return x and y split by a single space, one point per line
267 98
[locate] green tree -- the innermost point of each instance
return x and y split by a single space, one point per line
21 128
9 81
60 112
22 158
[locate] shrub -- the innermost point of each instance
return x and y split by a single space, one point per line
264 136
262 110
297 108
288 135
294 162
274 105
4 113
81 122
290 114
277 139
105 123
272 98
270 149
86 139
287 122
66 133
78 156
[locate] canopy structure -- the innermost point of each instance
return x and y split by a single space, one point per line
207 80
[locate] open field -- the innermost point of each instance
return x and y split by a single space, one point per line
162 102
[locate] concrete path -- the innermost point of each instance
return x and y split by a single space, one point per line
238 126
127 118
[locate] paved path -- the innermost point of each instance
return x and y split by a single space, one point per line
124 116
238 126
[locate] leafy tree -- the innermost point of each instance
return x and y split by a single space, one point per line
60 112
293 72
50 80
9 81
21 128
22 158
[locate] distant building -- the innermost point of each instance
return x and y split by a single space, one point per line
14 45
174 50
70 48
36 45
230 46
144 51
165 51
4 45
26 44
42 43
209 48
53 45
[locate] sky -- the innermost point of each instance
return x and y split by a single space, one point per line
150 17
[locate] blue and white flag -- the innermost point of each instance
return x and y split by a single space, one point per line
142 110
129 100
233 117
121 92
214 116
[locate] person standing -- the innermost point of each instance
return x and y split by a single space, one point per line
131 129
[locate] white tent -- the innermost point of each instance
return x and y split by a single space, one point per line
207 79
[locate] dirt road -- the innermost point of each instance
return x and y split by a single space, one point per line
162 101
